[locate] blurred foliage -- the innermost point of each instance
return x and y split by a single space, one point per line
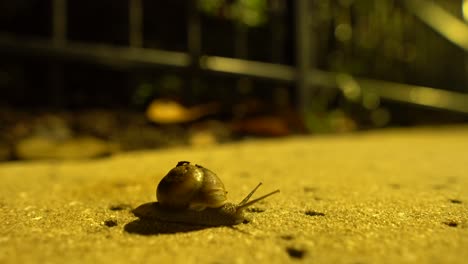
365 38
252 13
378 40
383 40
164 86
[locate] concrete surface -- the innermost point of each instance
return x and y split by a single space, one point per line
395 196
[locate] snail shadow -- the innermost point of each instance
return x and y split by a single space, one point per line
153 227
147 224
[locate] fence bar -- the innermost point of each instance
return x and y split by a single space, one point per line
135 57
303 54
135 18
59 22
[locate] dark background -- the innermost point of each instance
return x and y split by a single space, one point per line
384 41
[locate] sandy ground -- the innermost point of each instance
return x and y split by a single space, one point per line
395 196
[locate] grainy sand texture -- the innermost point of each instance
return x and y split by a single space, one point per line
391 196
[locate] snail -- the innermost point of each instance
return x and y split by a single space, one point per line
192 194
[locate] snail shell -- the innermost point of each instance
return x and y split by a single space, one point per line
192 194
190 186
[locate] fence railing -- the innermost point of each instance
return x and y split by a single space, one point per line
303 74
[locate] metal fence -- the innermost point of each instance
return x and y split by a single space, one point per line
304 74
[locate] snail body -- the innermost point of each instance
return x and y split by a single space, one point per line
192 194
